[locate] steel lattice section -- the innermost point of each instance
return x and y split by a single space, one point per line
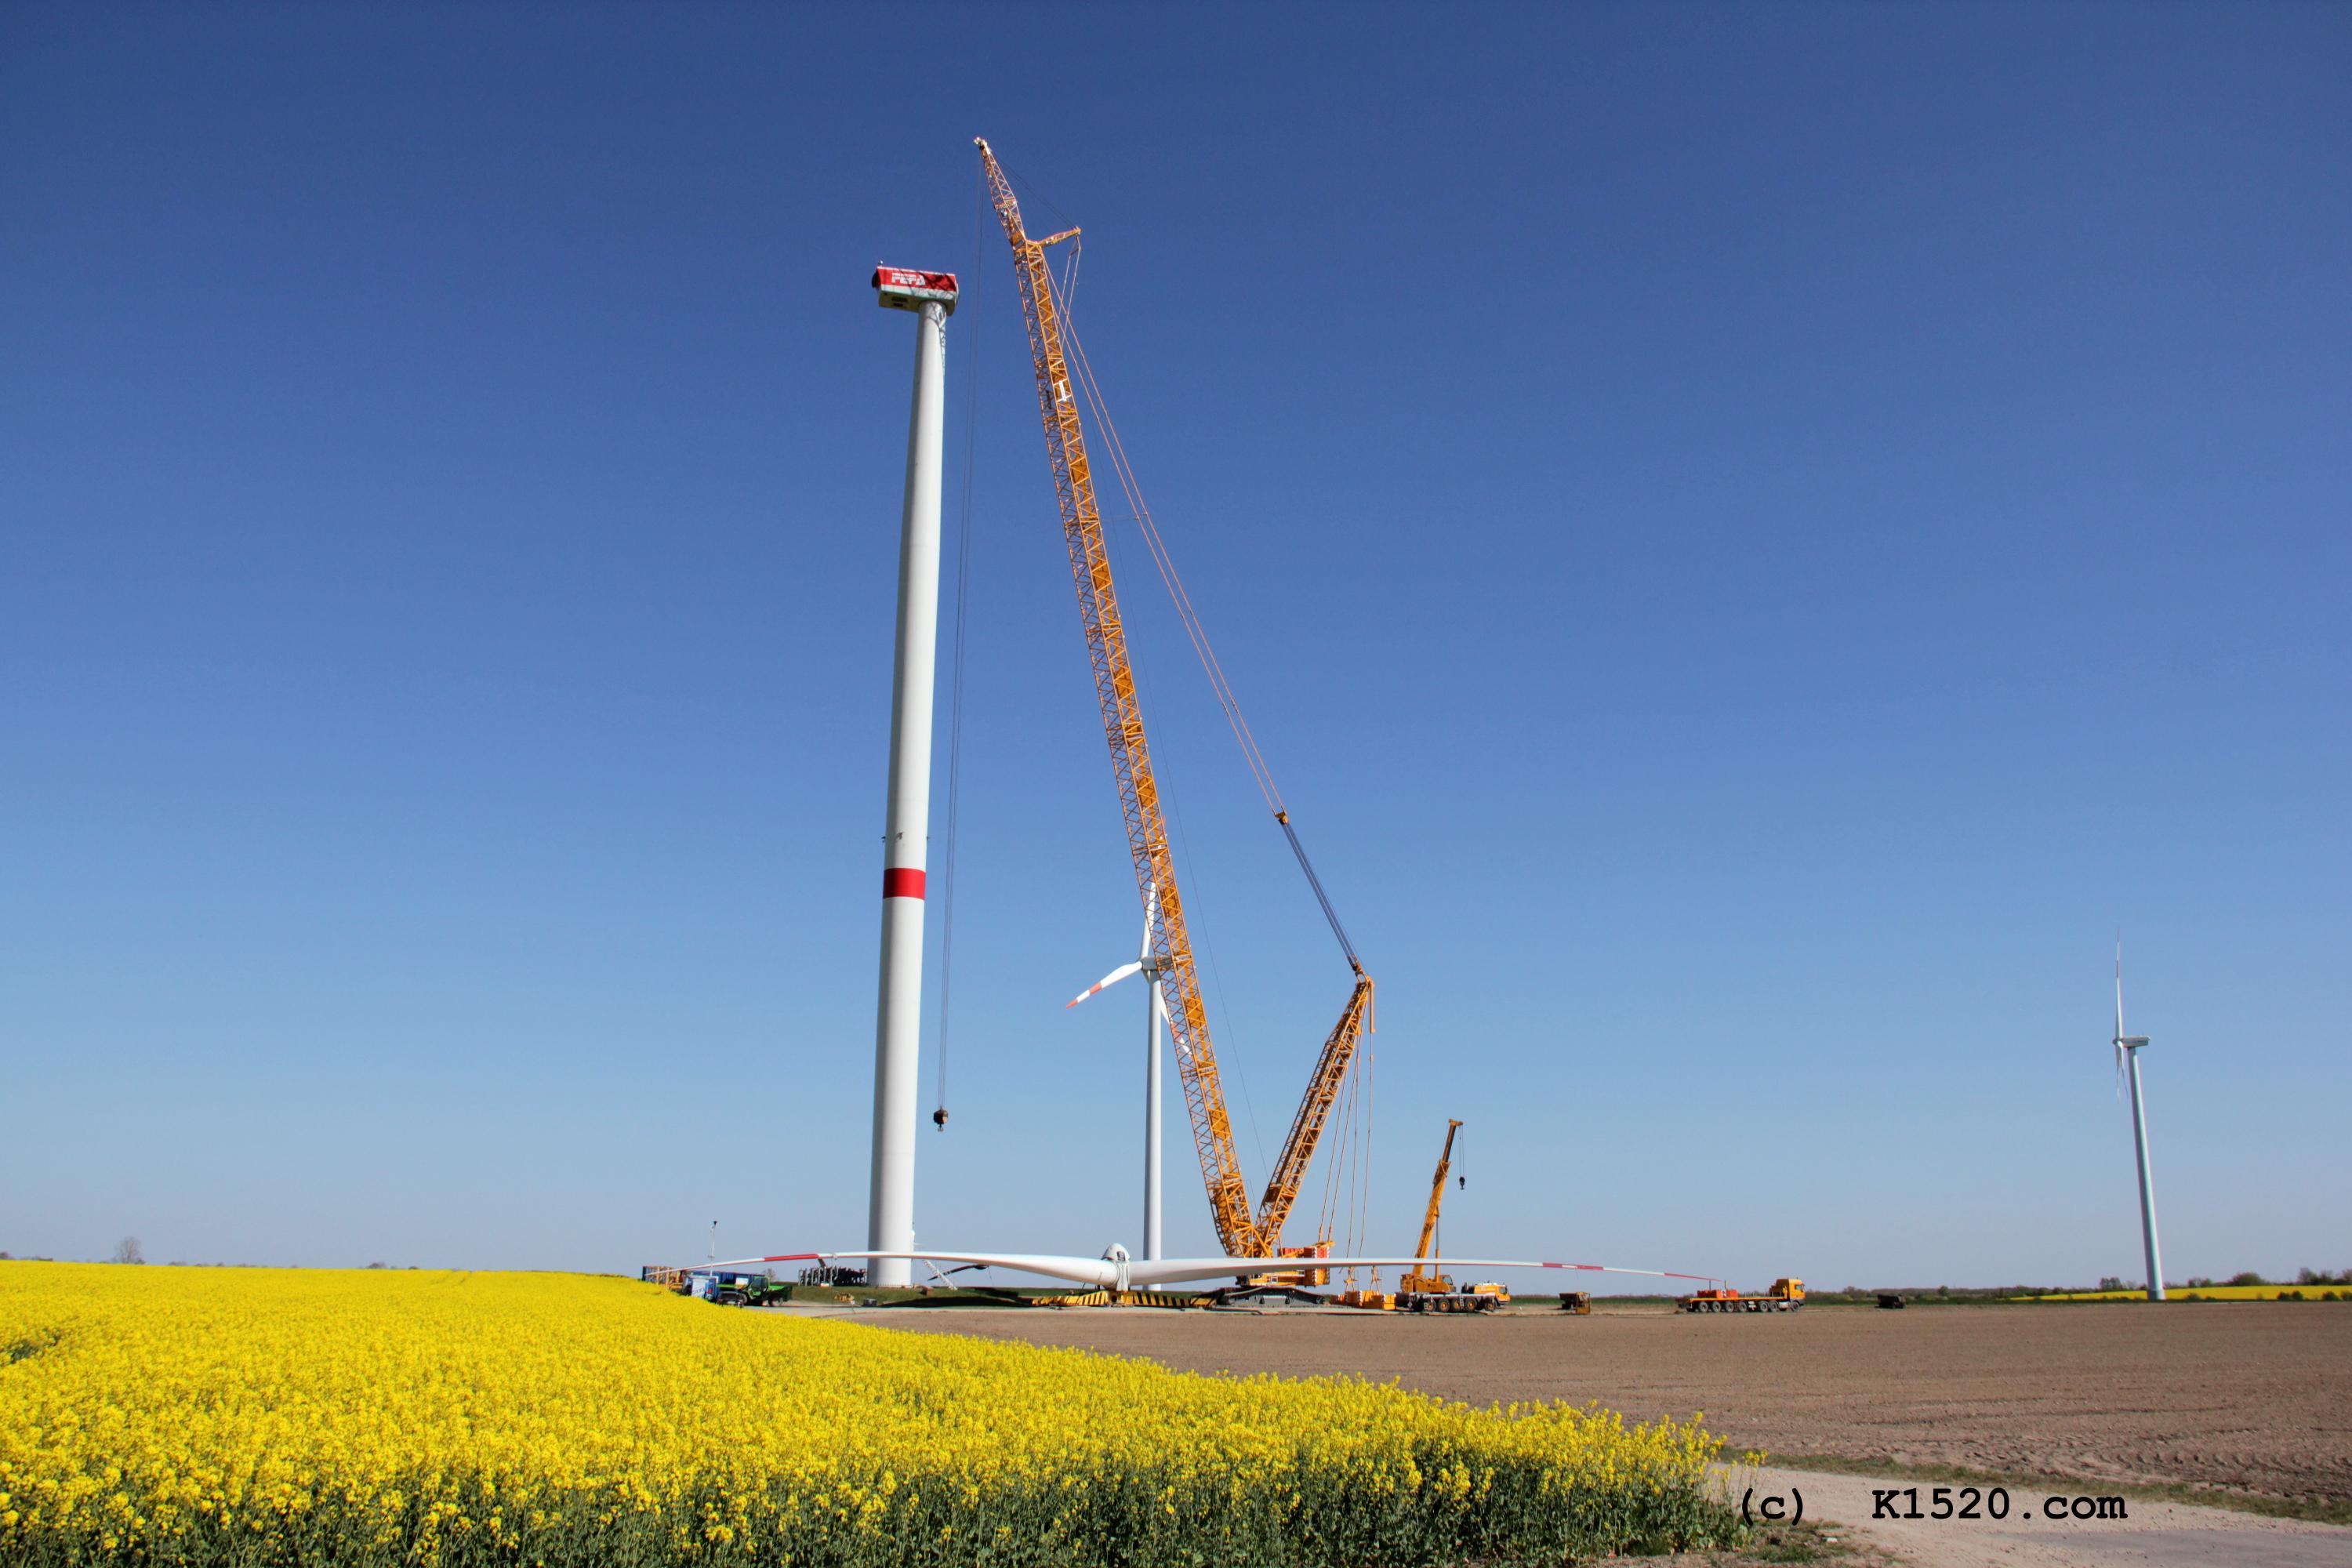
1241 1233
1123 725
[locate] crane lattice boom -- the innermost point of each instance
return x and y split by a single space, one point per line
1241 1234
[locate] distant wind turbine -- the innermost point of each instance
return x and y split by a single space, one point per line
1156 1009
2127 1049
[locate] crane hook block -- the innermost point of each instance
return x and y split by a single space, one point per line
940 1118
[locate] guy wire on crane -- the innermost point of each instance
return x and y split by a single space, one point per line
1241 1232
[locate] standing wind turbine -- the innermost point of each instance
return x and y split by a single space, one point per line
2127 1049
1156 1010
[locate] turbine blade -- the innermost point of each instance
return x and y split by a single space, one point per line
2119 988
1113 978
1150 907
2120 1015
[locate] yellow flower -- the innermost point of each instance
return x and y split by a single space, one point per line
557 1415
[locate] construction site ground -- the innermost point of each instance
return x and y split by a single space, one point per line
2253 1397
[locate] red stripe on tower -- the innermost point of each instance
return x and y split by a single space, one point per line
901 882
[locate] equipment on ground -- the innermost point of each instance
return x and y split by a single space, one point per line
727 1285
1785 1296
1577 1302
1117 1271
1064 377
1428 1291
736 1287
1889 1301
1487 1298
828 1274
1423 1290
1421 1282
1177 1300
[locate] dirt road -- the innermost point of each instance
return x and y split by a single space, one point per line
2155 1534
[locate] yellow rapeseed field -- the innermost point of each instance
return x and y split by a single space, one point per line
204 1416
2207 1293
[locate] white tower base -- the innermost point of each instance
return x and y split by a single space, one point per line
2146 1185
1151 1119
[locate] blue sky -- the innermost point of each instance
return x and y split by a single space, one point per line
1754 538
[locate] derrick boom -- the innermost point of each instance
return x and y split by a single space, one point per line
1314 1107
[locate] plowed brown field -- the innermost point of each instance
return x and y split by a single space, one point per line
2255 1397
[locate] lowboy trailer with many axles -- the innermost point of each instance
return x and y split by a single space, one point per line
1785 1296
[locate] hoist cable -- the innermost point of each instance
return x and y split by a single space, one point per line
1364 1169
1202 941
1322 897
1188 617
955 687
1166 565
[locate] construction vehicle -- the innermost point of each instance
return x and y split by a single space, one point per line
1486 1298
1785 1296
727 1287
1422 1290
1577 1302
1063 379
1420 1281
736 1287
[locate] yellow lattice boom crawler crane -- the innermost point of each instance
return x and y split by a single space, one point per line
1063 379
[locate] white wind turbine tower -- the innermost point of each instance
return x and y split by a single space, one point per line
1156 1009
2127 1049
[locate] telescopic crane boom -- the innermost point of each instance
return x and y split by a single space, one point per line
1417 1280
1242 1234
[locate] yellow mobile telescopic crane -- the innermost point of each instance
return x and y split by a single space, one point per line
1242 1233
1423 1291
1418 1281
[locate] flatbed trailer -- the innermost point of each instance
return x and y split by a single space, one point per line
1785 1296
1490 1299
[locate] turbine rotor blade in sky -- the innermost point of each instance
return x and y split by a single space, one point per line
1113 978
2119 1017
